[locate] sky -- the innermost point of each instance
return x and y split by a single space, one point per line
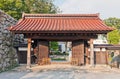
106 8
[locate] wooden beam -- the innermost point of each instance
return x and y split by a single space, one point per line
96 32
62 37
29 54
91 53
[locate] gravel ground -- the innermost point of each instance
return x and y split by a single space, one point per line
61 72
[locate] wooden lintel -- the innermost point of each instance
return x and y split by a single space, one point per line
96 32
72 36
48 34
60 37
56 34
35 34
52 34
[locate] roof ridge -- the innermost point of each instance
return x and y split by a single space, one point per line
59 15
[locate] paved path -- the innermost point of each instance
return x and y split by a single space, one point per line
60 72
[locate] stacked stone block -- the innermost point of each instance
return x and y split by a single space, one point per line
8 55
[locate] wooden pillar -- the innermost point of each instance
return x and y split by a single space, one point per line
91 52
29 53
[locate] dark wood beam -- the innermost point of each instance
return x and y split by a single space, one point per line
94 31
61 36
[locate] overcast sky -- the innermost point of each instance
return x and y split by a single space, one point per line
106 8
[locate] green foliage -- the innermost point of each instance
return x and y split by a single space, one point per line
54 46
113 22
59 59
15 8
12 7
41 6
114 36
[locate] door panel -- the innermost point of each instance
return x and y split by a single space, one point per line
43 52
77 53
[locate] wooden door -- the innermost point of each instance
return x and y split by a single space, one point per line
43 53
77 53
100 58
22 57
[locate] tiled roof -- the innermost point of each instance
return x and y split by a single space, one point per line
60 23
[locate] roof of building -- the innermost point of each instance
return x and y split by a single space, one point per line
60 23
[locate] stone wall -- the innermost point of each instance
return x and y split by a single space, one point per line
8 55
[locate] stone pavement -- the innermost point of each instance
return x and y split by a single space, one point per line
58 71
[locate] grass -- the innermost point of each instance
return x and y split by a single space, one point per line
59 59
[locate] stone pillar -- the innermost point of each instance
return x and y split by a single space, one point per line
29 53
91 52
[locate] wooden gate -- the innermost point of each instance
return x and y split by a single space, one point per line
43 53
101 58
77 53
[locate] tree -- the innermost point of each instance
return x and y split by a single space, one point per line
41 6
114 36
113 22
54 45
15 8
